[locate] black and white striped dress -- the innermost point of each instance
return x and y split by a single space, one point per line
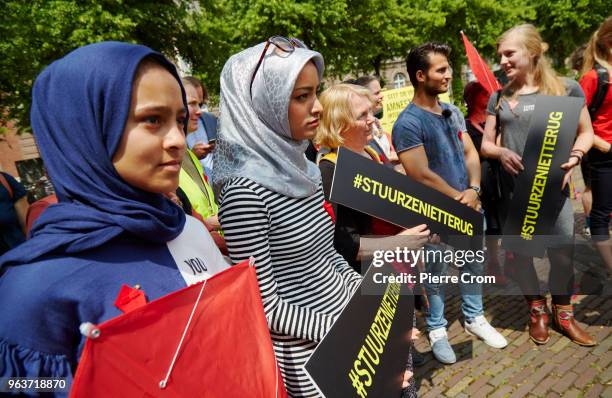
304 282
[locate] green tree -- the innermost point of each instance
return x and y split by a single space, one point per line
354 36
35 33
481 20
224 27
567 24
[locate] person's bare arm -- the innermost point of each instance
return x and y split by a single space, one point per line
583 143
21 208
600 144
413 238
416 165
510 160
470 197
584 134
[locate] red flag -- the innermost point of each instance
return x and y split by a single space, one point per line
479 67
210 339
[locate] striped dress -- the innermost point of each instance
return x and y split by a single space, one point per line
304 282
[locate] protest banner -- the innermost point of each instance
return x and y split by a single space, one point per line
376 190
394 102
365 352
537 198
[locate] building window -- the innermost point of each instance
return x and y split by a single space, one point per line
399 80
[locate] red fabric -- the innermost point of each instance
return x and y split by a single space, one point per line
602 125
330 210
382 227
479 67
129 299
227 351
476 98
36 209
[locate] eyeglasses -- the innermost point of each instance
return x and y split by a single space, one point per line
287 45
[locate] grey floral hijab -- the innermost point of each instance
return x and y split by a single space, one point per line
254 138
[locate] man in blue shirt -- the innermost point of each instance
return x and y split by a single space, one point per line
202 140
434 148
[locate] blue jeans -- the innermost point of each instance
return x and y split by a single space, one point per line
471 293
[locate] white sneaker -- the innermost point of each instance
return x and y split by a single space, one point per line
440 347
481 328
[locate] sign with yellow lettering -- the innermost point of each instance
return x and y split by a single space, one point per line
365 352
394 101
376 190
537 198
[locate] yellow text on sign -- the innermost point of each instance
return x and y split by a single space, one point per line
364 367
394 102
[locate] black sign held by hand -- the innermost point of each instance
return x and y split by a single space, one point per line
365 352
373 189
537 197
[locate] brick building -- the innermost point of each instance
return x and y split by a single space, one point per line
15 148
20 158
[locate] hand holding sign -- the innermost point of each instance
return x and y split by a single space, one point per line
511 161
470 198
535 203
413 238
375 190
568 167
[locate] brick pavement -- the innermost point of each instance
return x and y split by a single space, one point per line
523 369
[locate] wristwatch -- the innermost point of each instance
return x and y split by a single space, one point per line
476 188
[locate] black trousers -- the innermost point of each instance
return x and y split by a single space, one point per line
601 185
560 277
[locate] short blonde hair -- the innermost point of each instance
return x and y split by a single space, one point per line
337 115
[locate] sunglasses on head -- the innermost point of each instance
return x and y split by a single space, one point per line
286 45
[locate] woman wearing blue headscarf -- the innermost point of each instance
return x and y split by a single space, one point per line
109 121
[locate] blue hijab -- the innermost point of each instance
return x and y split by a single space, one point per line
80 105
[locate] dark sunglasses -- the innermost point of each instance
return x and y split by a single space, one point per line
287 45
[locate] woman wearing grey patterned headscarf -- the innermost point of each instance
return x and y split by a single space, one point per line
272 203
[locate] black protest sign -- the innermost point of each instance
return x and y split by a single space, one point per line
371 188
537 197
365 352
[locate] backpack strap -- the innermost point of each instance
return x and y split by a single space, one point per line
6 185
498 95
602 89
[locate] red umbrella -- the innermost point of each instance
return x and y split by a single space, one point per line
210 339
479 67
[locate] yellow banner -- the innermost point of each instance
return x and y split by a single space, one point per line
394 102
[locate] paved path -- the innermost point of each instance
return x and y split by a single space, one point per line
523 369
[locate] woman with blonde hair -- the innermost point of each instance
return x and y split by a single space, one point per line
347 121
522 57
597 69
